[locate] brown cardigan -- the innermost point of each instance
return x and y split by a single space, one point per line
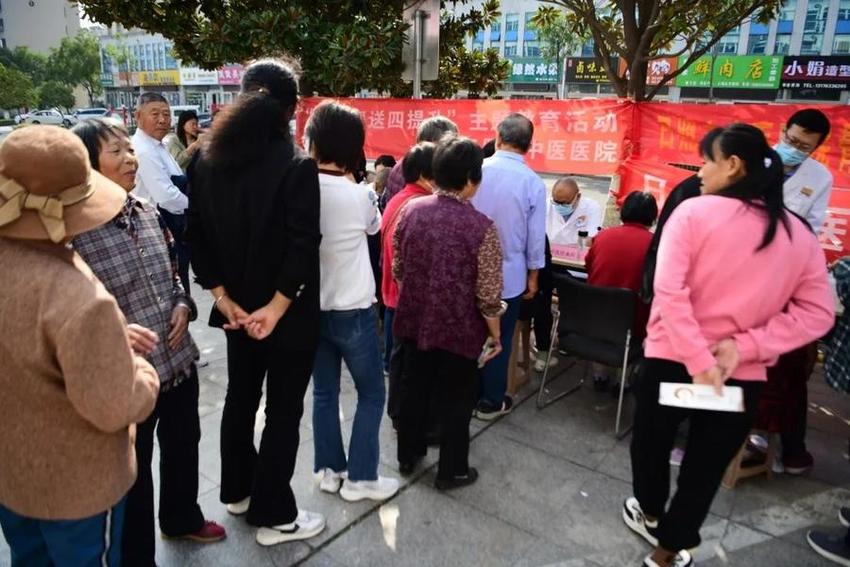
70 387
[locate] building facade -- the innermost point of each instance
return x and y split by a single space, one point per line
37 24
807 28
135 61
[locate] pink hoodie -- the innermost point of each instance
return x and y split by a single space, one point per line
711 284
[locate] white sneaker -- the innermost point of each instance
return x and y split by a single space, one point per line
380 489
540 362
683 559
329 480
239 508
636 521
305 526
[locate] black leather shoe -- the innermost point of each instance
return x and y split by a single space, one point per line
458 481
407 468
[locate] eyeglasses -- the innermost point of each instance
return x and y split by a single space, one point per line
794 142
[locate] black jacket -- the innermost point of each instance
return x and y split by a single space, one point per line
255 230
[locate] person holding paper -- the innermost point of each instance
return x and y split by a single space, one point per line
739 281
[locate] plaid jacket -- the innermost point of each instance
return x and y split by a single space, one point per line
837 364
133 256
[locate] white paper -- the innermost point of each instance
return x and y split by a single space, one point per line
701 396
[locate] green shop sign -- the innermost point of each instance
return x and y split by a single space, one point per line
533 70
732 72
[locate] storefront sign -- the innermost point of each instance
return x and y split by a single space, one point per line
586 70
732 72
656 70
230 75
107 79
818 72
159 78
533 70
191 76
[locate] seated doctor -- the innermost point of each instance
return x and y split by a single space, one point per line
569 213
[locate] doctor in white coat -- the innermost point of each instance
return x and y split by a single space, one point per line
807 182
568 213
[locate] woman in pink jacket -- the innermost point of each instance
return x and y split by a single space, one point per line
740 280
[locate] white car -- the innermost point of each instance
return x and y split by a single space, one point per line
83 113
51 116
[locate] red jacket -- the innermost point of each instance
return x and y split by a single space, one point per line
389 220
616 260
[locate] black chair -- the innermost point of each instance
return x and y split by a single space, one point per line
595 324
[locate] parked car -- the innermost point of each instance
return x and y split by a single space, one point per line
83 113
51 116
204 120
177 109
21 117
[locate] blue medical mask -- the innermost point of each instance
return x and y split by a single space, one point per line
564 209
790 155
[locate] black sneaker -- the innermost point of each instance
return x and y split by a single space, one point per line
637 522
844 516
830 546
458 481
486 412
406 468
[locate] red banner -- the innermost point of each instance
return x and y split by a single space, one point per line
649 177
670 133
576 136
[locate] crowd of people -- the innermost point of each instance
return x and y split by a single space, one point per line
305 263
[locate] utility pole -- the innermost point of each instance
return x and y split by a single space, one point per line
418 39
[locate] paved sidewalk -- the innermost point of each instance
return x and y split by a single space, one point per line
551 487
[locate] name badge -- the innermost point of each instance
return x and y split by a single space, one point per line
581 222
807 191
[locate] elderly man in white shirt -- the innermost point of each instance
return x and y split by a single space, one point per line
159 179
569 213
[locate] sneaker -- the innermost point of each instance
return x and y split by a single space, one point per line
209 533
381 489
540 361
676 456
486 412
844 516
682 559
637 522
457 481
305 526
328 480
830 546
239 508
798 464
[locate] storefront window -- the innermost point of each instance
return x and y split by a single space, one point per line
728 44
814 27
841 45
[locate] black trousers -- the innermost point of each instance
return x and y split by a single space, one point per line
263 475
714 437
394 379
177 226
178 429
452 381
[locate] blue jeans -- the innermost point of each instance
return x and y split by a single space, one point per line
494 376
389 315
89 542
349 336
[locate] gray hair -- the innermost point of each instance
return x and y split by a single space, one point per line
516 130
145 98
433 129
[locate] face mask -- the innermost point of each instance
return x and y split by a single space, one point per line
564 210
789 154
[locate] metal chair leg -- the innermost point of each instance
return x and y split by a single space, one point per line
617 431
541 402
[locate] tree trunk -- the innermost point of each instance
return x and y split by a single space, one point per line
637 82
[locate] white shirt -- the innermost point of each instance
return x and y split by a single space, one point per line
153 180
587 216
349 212
807 191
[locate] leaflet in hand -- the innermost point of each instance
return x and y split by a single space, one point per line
700 396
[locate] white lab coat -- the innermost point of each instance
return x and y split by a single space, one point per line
807 192
587 216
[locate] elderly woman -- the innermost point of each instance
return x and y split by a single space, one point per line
448 263
72 388
133 255
348 322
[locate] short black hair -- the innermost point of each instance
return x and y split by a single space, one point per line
516 130
94 131
418 162
457 160
811 120
145 98
337 134
386 160
434 129
639 207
